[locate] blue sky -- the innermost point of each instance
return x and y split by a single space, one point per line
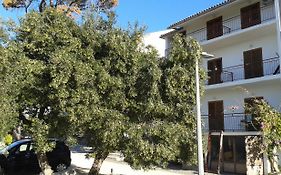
155 14
158 14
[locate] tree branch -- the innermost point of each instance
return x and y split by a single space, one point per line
27 5
42 5
51 3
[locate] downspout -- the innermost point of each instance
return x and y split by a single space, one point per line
278 29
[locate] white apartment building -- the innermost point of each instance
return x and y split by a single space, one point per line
244 37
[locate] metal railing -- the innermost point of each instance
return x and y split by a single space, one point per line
234 122
234 23
271 66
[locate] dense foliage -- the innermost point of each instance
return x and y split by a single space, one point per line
66 6
270 120
99 83
11 77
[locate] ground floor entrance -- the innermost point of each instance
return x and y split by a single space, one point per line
233 154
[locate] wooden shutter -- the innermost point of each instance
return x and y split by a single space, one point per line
253 65
250 15
244 17
216 116
214 28
214 71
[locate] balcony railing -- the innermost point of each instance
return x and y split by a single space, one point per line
234 24
235 122
271 66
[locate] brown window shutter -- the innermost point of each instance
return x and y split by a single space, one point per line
253 65
247 64
214 28
250 15
216 116
258 64
244 17
256 14
214 71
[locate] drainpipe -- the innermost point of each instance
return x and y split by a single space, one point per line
278 29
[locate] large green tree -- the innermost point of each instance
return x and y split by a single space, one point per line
8 107
13 67
67 6
100 83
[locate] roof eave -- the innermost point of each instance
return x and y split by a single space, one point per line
196 15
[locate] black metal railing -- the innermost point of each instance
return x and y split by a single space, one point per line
271 66
234 122
233 24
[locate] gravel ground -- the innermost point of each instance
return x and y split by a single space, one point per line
114 165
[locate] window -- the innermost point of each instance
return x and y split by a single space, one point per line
240 151
214 71
253 65
228 152
215 148
214 28
250 15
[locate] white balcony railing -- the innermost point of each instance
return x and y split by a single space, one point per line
233 24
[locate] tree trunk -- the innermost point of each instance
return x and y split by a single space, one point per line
99 158
44 165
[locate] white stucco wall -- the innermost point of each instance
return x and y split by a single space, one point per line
154 40
233 55
234 96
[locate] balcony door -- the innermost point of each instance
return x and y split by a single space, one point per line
214 71
216 116
251 124
253 65
214 28
250 15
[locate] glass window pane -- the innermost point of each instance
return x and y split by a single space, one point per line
228 149
240 150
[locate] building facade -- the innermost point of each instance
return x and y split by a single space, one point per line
244 37
153 39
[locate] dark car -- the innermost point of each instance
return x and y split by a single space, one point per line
20 158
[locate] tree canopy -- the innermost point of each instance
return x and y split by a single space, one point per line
99 82
67 6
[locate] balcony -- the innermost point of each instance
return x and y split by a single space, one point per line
233 24
235 122
271 66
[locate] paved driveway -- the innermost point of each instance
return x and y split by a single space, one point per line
114 165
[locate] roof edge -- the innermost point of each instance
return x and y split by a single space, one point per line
212 8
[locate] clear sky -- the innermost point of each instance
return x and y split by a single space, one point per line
156 15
